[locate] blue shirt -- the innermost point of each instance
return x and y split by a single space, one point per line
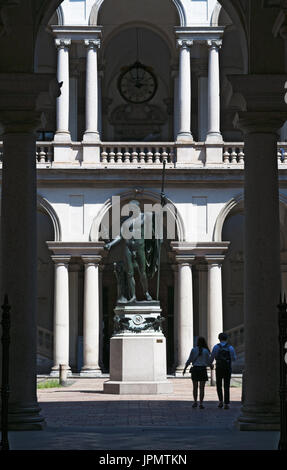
216 349
203 360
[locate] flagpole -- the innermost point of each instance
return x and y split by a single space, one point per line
160 241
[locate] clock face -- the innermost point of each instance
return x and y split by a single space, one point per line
137 84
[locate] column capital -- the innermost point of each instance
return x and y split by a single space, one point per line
61 259
62 43
22 96
183 260
199 249
263 122
184 43
263 106
214 260
91 259
214 43
92 43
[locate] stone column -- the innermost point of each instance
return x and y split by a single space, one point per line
62 132
214 300
20 117
184 91
91 317
101 319
214 134
202 300
61 313
262 246
185 314
175 313
92 130
73 314
174 75
73 103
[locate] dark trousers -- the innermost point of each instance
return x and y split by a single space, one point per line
225 376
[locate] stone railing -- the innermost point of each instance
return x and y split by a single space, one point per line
143 154
44 342
44 153
137 153
233 153
236 338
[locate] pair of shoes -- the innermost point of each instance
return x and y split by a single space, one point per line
220 404
194 405
226 407
201 407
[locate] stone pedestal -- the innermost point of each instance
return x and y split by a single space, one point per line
138 351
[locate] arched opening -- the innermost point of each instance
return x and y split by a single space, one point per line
109 283
137 88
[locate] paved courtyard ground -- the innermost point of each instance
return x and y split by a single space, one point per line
81 417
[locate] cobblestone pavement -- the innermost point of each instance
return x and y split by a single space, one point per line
85 404
82 417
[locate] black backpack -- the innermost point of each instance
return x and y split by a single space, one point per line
223 358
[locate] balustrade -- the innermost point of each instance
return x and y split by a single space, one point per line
135 154
119 153
44 152
233 153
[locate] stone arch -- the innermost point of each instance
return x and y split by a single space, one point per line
217 233
60 15
128 195
215 14
45 206
239 201
93 19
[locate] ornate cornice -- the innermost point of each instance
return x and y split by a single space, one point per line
77 33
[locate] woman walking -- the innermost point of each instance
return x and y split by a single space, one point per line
200 359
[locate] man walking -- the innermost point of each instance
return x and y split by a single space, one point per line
224 355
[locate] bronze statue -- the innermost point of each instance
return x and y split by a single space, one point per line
140 253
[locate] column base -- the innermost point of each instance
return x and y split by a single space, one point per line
137 388
25 417
91 136
62 136
55 372
214 138
91 372
184 137
258 418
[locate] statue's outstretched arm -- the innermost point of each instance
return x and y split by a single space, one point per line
114 242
